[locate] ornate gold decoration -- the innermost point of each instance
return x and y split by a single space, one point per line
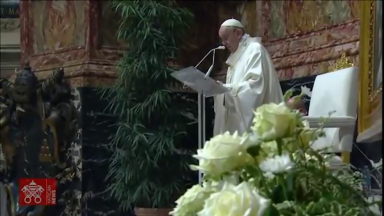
369 96
45 154
341 63
376 93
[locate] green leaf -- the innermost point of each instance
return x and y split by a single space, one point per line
288 95
254 150
299 211
149 160
278 194
271 211
330 214
336 208
310 207
280 144
291 180
252 170
352 212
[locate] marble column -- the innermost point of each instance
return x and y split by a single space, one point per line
78 36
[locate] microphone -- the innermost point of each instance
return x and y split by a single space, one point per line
213 61
212 50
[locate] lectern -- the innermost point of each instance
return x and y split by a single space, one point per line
205 87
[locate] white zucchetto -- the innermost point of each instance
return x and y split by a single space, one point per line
232 23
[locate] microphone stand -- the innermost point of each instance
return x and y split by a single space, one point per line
201 108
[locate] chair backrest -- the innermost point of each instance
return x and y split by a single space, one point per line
335 91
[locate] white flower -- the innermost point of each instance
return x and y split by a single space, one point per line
251 139
223 153
240 200
218 185
213 185
192 201
306 91
273 121
269 175
277 164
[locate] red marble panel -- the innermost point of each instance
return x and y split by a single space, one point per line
58 25
314 52
108 55
315 62
43 44
302 38
64 58
310 69
26 31
78 50
319 39
291 17
265 11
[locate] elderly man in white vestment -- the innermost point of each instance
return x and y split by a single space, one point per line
251 78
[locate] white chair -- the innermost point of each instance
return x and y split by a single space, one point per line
335 92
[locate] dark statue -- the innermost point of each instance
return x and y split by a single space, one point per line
37 125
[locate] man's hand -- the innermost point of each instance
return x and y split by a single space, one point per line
300 106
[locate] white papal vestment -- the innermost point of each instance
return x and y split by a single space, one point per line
252 80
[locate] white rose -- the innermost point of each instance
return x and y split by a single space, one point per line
250 140
213 185
223 153
192 201
273 121
267 149
240 200
218 185
277 164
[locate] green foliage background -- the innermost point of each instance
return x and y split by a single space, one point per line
148 167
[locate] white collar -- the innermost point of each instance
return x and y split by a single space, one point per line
243 44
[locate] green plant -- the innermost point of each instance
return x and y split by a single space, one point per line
148 167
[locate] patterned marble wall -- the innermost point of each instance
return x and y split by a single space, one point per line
303 37
58 25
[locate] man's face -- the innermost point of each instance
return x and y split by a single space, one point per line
230 37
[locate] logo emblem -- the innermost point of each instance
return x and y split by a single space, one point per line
37 192
32 191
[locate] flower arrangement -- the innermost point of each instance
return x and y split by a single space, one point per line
272 171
